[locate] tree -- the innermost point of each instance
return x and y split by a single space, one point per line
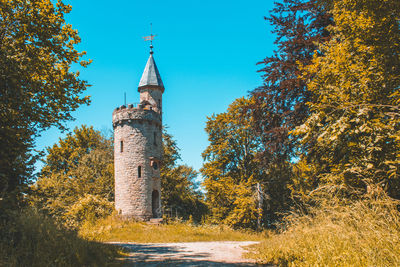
352 135
179 188
231 170
37 87
280 104
77 180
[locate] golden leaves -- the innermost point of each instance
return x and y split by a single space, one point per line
356 82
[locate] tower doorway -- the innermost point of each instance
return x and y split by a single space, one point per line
155 203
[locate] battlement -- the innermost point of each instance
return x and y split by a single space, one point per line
138 112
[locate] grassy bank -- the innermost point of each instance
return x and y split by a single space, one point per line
364 233
31 239
114 229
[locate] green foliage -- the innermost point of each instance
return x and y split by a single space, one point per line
88 208
280 104
37 87
337 233
275 108
170 151
76 183
303 181
31 239
352 134
178 184
78 175
231 169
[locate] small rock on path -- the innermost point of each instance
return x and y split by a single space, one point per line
216 253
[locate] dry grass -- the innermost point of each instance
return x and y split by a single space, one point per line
113 229
363 233
31 239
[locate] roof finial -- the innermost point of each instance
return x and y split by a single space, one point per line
150 38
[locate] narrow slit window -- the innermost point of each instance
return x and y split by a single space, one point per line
122 146
139 171
155 138
159 103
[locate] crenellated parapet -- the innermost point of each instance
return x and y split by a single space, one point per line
141 113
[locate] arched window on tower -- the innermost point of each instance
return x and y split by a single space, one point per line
122 146
139 171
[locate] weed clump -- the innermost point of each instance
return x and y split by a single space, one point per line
363 232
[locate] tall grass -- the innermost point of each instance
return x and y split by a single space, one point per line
113 229
364 232
31 239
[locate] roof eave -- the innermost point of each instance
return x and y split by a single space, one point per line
150 86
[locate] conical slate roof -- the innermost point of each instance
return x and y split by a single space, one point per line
151 76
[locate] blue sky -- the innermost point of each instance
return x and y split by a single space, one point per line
206 52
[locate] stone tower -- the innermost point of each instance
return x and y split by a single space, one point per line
138 149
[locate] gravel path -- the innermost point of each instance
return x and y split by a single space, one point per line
217 253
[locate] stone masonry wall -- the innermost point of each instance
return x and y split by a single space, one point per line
154 97
136 128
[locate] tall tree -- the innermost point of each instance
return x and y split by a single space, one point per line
280 104
37 87
231 170
352 135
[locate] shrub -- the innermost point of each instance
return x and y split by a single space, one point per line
28 238
88 208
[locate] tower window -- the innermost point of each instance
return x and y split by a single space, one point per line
139 171
122 146
155 138
159 103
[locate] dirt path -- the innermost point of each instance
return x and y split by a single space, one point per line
220 253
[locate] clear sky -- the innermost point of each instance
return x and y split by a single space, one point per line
206 52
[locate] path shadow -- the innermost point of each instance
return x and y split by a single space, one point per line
150 252
187 263
158 255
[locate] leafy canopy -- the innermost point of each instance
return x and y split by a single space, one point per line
38 89
231 169
280 104
77 180
352 135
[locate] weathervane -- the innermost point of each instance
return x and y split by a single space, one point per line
150 38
